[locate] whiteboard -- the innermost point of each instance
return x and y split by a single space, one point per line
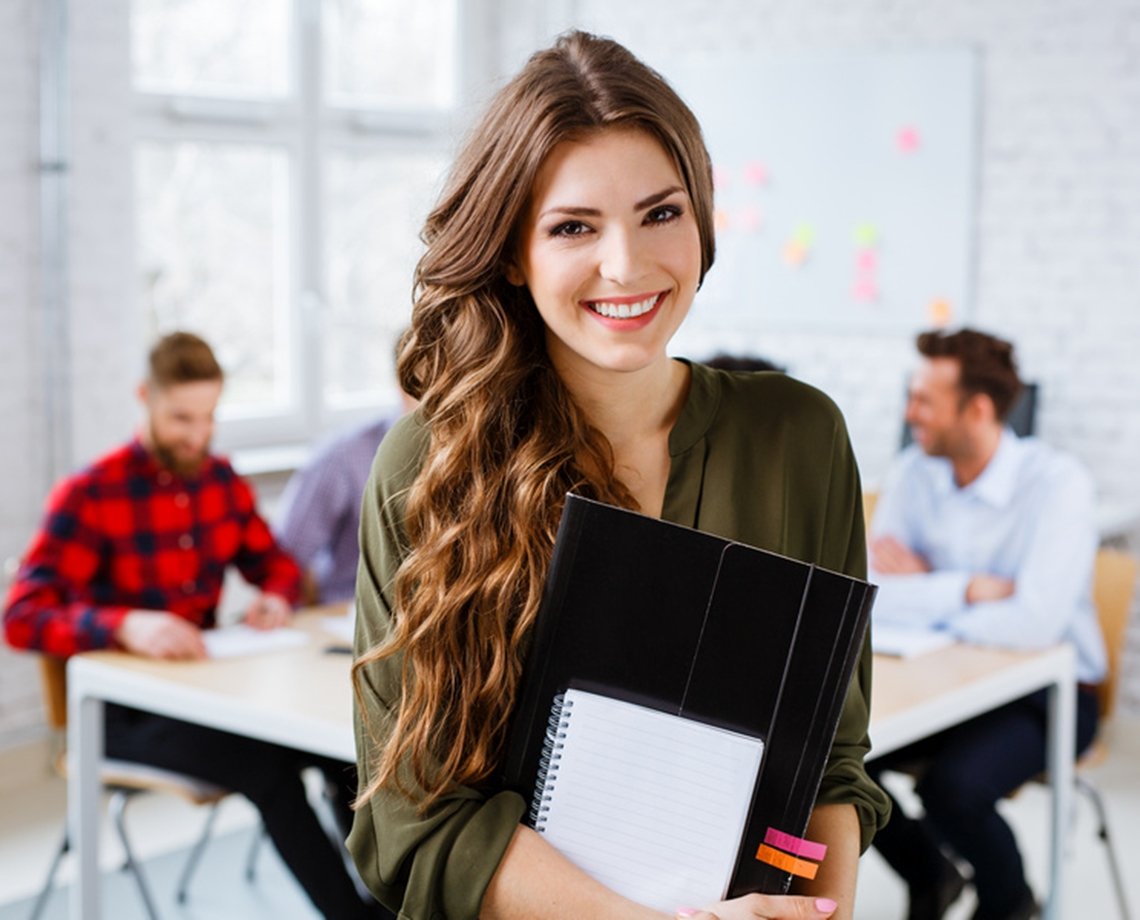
845 187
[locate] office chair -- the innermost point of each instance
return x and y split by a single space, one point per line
123 780
1113 584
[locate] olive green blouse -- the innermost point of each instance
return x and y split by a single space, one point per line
755 457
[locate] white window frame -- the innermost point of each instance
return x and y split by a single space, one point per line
306 129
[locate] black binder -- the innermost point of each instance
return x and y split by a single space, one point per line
704 628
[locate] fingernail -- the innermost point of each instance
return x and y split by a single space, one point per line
687 911
825 905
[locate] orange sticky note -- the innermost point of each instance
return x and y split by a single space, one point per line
795 253
787 862
721 220
941 312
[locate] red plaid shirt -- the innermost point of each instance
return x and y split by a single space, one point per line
125 533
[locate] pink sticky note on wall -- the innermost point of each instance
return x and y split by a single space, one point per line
756 173
908 139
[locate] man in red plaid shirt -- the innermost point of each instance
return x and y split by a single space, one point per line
131 554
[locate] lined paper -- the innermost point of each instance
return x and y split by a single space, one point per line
649 804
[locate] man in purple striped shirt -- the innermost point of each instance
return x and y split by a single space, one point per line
320 511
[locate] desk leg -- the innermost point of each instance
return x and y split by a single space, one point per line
85 753
1059 762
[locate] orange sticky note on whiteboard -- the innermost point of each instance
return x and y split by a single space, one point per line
940 312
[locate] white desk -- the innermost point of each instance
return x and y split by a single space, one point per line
916 697
302 698
298 697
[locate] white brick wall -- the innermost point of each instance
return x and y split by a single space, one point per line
1058 224
21 483
105 333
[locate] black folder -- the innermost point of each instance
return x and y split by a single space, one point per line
704 628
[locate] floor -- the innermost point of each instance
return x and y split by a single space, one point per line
31 819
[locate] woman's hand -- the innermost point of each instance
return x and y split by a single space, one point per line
762 907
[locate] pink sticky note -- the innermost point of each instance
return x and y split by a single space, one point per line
721 178
907 139
797 845
756 173
866 260
865 290
749 219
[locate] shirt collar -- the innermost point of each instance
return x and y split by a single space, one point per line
697 412
997 483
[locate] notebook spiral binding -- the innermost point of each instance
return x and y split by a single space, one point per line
549 760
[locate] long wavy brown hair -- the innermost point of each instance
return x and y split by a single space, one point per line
506 441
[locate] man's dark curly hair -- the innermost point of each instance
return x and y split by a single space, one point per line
986 364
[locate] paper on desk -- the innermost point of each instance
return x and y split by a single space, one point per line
342 627
233 641
905 641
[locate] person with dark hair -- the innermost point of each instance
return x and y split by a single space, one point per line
131 555
991 538
565 251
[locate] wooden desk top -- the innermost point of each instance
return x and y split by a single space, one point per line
915 697
298 696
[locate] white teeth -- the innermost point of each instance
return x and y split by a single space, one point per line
623 310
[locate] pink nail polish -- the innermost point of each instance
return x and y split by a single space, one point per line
825 905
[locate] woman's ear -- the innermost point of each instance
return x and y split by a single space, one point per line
514 274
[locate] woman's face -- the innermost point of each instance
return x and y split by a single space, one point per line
610 251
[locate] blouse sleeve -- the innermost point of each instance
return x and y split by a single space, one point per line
844 549
429 864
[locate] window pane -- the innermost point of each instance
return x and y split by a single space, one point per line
390 53
211 47
375 209
213 234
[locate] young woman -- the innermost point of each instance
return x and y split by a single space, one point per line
566 250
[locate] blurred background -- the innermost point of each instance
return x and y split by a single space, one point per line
258 172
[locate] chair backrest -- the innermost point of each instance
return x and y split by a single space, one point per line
53 677
870 500
1113 584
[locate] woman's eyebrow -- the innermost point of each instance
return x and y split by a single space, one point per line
647 202
657 197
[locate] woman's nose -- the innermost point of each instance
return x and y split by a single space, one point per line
622 260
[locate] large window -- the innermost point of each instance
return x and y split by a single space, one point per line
287 152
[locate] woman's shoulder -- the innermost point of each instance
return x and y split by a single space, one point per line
767 398
401 454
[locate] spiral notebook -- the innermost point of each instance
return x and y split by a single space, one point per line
651 805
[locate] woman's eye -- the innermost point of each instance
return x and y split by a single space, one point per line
569 228
663 214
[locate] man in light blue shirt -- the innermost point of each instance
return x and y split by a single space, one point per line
991 538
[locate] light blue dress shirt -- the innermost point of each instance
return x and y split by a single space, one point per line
1028 517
